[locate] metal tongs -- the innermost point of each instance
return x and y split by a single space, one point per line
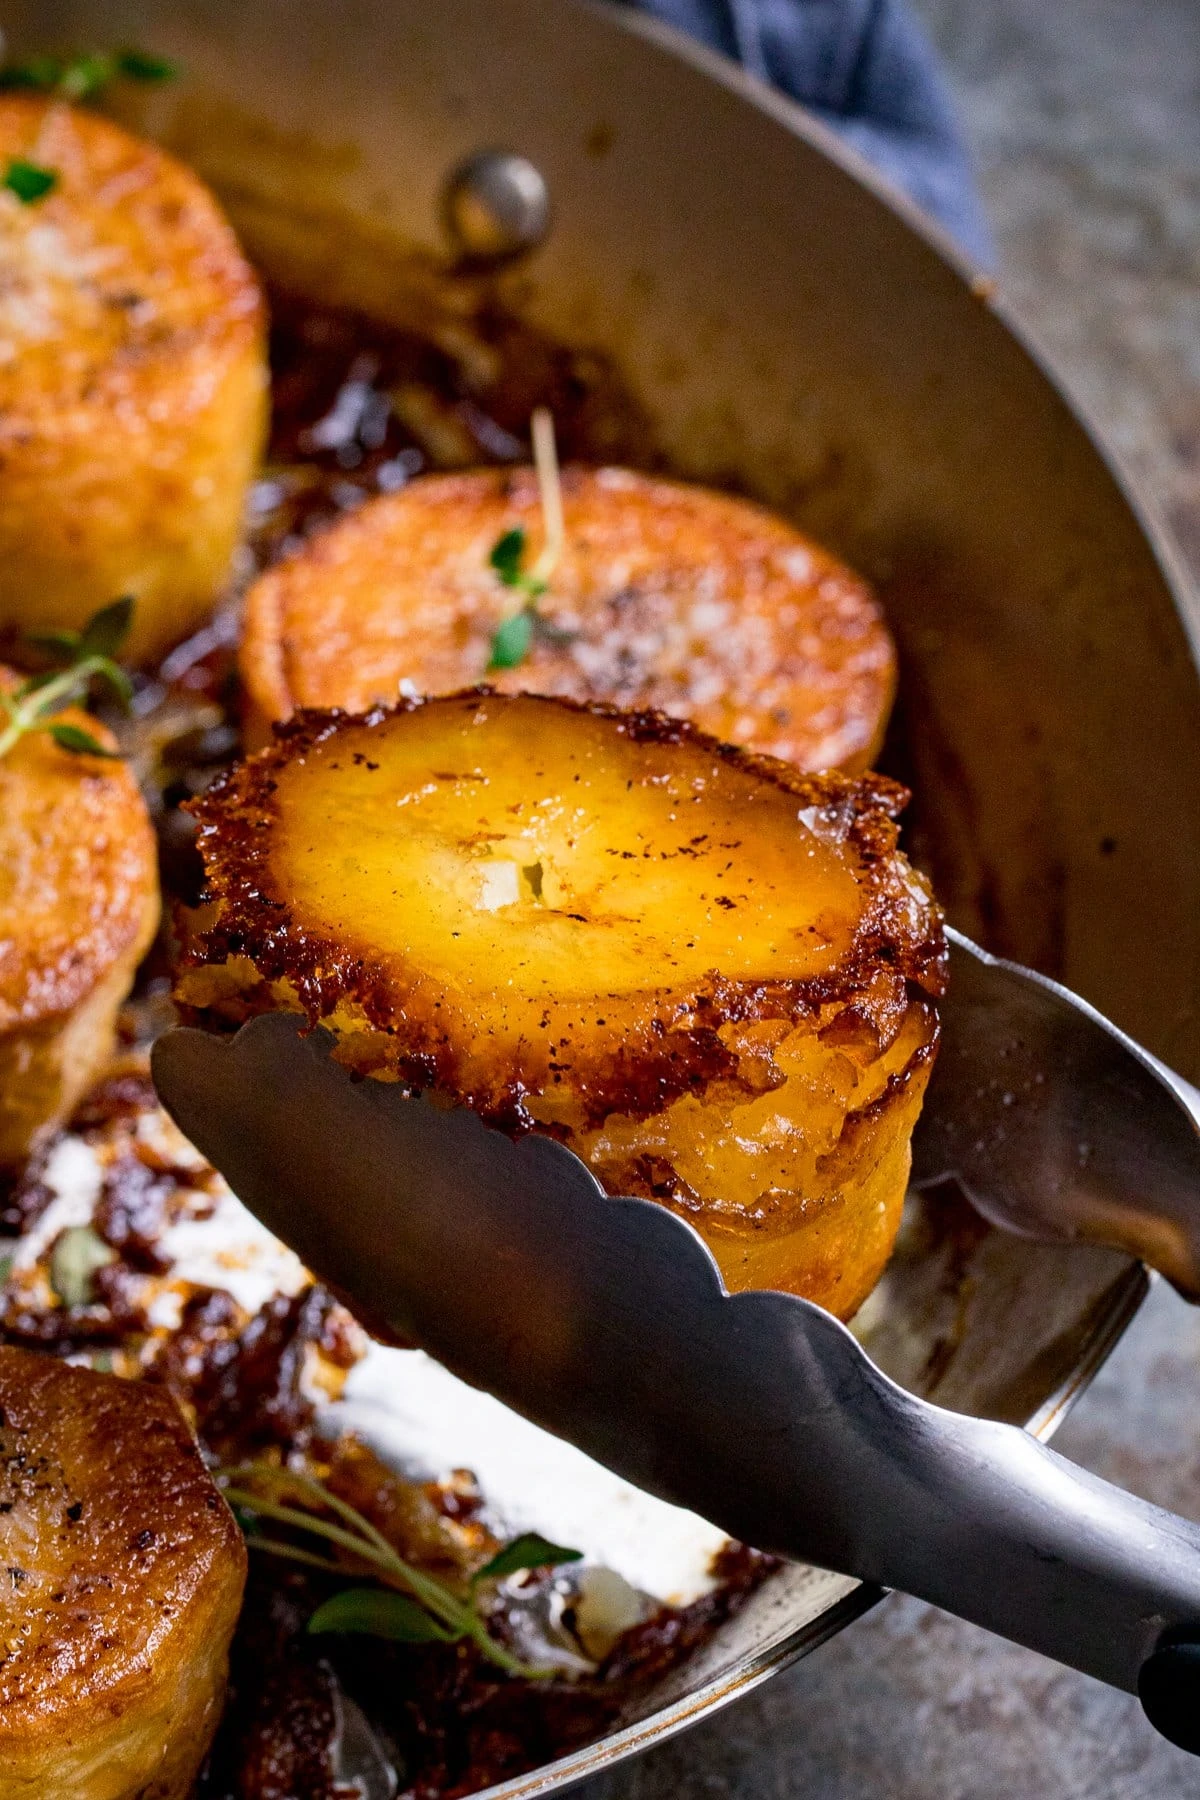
605 1321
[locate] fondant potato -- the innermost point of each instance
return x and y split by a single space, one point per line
79 906
124 1571
665 595
132 381
711 975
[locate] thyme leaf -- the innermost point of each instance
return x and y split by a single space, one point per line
529 1551
29 181
143 65
379 1612
510 644
41 73
507 554
78 1255
57 644
80 742
107 630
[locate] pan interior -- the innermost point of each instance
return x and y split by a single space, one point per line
781 331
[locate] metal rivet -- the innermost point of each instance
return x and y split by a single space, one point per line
497 206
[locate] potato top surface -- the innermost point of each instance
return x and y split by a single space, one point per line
519 892
666 596
78 871
115 1541
127 268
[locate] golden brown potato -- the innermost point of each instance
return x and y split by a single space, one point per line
132 381
124 1579
666 596
78 908
709 974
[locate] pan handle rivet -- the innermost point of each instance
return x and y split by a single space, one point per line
496 207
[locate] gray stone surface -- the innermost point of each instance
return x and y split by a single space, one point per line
909 1704
1085 121
1085 117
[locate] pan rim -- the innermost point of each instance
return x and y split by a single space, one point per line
1124 1300
985 287
1130 1289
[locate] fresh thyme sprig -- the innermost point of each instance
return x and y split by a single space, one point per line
82 657
85 74
510 643
78 77
409 1606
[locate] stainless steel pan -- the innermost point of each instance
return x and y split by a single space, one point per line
793 329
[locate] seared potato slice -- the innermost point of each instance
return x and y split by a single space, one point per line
78 908
132 381
712 976
665 596
124 1578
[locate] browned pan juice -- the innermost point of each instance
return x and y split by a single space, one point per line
358 409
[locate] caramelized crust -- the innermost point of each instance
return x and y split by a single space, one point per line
78 908
708 973
132 381
666 596
125 1571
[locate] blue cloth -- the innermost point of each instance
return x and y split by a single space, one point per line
866 68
